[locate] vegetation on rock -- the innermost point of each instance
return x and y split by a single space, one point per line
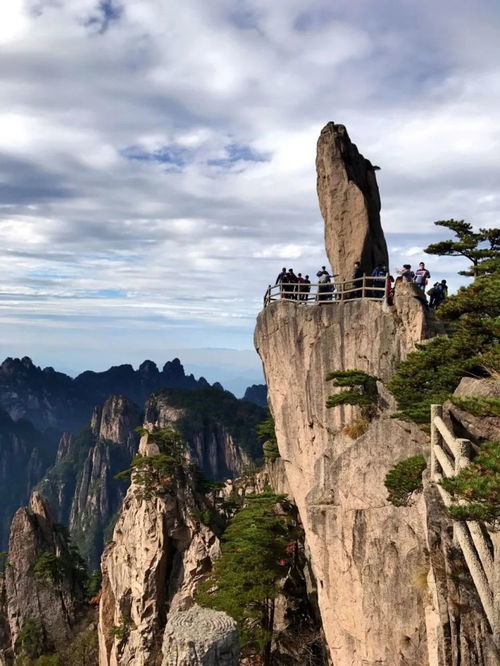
404 479
214 405
362 391
478 406
256 550
267 435
479 485
472 318
153 475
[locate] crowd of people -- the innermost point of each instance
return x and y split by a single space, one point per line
378 285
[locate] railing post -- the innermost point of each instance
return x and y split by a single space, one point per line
436 410
462 459
363 287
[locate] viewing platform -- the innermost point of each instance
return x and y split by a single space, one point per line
320 293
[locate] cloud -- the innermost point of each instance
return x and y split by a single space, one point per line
157 166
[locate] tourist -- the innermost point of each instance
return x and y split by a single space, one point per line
281 279
421 276
292 284
379 271
306 288
406 273
300 282
357 280
438 293
324 284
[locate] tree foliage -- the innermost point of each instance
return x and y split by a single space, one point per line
479 485
477 246
267 435
362 390
255 556
404 479
472 319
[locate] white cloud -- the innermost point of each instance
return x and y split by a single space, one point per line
158 162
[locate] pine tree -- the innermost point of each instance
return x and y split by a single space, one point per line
472 319
476 246
244 581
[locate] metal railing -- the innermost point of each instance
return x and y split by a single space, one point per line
367 287
448 456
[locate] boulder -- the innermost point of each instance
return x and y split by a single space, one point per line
200 637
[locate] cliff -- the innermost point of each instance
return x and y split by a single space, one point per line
219 429
43 589
364 552
392 588
159 552
81 487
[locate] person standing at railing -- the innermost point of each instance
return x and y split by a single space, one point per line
379 272
306 288
299 288
325 285
281 279
357 280
291 285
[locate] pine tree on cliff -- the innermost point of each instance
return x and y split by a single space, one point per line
472 319
245 579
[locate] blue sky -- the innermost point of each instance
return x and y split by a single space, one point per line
157 159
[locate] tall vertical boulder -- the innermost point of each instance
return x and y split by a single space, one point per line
350 204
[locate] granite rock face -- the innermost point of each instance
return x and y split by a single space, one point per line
51 604
211 443
350 204
200 637
158 554
364 552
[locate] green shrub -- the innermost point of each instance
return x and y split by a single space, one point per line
122 630
271 451
479 485
31 641
404 479
478 406
49 568
94 583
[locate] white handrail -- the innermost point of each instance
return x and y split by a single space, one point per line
449 455
367 287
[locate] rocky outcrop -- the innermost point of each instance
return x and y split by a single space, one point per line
364 551
350 204
391 588
219 429
474 427
41 578
81 487
200 637
158 554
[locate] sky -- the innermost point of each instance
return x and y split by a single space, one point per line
157 160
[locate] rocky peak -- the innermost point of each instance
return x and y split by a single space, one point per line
115 420
40 582
350 204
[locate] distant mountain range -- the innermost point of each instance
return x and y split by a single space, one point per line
43 413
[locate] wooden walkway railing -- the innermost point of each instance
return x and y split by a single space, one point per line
448 456
367 287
